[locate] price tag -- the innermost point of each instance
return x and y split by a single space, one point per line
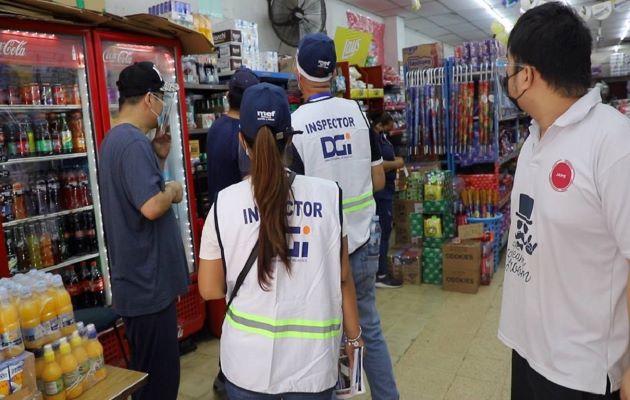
5 173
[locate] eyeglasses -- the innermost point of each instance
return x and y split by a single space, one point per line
502 64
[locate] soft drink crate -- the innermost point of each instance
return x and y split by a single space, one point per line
191 312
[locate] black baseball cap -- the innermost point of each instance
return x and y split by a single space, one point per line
241 80
139 79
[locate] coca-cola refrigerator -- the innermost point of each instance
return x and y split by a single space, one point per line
49 196
114 52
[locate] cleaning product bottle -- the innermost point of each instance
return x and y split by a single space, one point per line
63 302
48 313
70 368
79 352
11 335
29 319
95 354
52 376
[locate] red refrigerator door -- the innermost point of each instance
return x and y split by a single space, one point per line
114 53
50 201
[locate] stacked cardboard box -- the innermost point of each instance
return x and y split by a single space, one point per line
248 42
461 266
405 264
432 265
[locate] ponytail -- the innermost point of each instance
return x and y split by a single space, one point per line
271 192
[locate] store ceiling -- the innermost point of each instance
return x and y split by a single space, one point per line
457 21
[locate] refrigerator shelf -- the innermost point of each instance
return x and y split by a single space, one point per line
24 160
45 216
38 107
71 261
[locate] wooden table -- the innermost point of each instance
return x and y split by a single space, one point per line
119 384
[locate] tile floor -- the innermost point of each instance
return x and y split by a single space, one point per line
443 346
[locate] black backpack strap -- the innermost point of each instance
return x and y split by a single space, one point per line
250 260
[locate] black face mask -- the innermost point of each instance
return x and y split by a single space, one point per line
514 100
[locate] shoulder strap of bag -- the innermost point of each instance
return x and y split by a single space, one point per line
250 260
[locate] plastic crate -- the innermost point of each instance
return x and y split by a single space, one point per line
113 352
482 181
191 312
493 225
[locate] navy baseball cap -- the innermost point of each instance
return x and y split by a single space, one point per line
316 57
140 78
265 104
241 80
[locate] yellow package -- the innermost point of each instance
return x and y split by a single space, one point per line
5 383
432 192
433 227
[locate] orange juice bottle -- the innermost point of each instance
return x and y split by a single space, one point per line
70 368
39 369
95 354
11 335
81 355
48 313
63 303
52 376
29 319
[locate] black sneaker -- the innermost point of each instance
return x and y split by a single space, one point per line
388 281
219 386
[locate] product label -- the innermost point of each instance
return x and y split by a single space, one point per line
67 140
71 379
97 363
40 385
5 385
97 285
67 319
84 369
34 334
16 372
53 388
12 338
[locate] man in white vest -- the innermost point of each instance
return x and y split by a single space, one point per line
565 295
336 144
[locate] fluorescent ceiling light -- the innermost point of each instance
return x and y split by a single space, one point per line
616 49
490 10
625 32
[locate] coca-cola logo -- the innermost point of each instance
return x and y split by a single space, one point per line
116 56
13 47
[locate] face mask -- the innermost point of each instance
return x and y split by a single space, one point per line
506 88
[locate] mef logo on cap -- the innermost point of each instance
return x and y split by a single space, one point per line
266 115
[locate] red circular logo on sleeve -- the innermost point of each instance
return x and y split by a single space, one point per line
561 176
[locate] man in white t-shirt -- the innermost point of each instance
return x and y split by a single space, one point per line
565 301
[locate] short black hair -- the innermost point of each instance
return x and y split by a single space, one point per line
234 100
129 101
554 39
382 118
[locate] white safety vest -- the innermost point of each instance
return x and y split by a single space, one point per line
285 339
335 145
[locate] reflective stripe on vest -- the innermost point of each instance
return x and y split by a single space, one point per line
354 204
303 329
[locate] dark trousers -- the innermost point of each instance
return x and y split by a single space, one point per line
528 384
384 212
155 350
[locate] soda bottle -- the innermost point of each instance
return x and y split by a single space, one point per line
97 285
52 376
55 133
29 319
54 192
66 135
79 235
85 277
12 256
42 138
23 148
68 234
95 354
70 368
46 245
41 194
10 131
74 288
72 191
6 208
75 123
63 302
64 250
90 232
30 134
10 332
3 145
84 188
21 250
30 196
55 240
19 201
34 252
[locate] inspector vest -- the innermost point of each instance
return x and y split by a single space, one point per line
285 339
335 145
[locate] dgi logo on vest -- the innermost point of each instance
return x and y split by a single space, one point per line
336 146
300 247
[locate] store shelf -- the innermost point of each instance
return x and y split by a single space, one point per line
612 78
203 86
71 261
277 76
24 160
508 157
38 107
396 107
397 131
505 199
198 131
45 216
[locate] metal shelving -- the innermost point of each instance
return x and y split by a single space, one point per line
203 86
57 157
45 216
71 261
38 107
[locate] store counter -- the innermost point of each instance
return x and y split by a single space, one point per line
119 385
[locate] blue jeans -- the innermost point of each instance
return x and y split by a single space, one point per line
377 362
236 393
384 212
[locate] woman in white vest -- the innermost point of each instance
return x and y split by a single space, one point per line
282 332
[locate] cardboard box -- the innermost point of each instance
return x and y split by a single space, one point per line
403 234
423 56
470 231
462 266
229 64
94 5
229 35
230 50
403 208
407 265
432 265
21 371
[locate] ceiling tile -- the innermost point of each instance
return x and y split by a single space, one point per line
373 5
457 5
433 8
447 19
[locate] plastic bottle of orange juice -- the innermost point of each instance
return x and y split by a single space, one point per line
52 376
48 313
29 319
63 302
10 333
95 354
81 355
39 369
70 368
